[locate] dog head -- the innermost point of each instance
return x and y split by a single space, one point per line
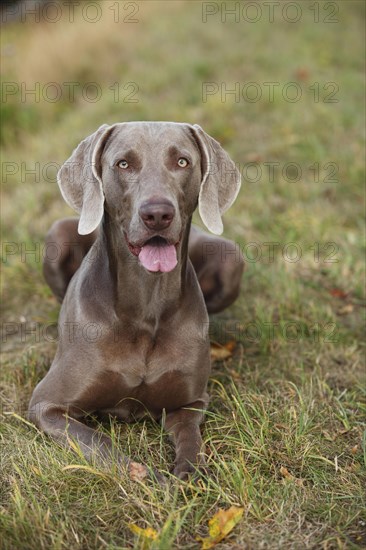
149 178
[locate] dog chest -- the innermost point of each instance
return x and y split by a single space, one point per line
132 397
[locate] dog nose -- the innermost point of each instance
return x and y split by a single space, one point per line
157 215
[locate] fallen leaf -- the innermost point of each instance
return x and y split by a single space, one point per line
234 374
219 353
354 450
136 471
345 309
285 473
338 293
254 157
302 73
147 535
230 345
220 525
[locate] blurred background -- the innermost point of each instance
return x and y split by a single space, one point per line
280 85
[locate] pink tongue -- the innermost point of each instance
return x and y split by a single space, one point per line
158 257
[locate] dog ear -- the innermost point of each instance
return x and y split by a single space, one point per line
220 184
79 179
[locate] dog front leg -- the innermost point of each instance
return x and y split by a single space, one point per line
183 426
57 422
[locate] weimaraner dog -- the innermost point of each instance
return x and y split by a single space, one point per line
134 278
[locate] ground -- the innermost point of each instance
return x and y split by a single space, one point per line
282 88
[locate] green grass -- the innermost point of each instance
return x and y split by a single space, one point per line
286 401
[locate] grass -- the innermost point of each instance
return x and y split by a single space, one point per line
285 431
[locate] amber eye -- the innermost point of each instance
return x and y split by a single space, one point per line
123 164
182 162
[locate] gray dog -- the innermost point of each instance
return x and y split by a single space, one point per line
138 279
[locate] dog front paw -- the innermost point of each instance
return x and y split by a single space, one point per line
184 470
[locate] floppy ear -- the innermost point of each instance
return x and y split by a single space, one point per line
220 184
79 179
